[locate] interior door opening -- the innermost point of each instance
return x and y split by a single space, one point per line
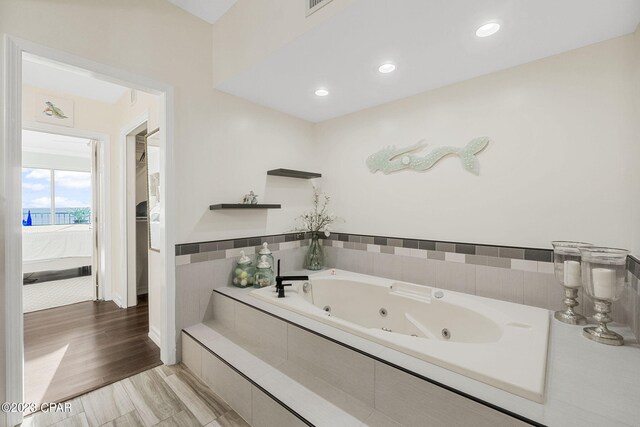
58 219
81 329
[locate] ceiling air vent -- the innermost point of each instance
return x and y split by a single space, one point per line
315 5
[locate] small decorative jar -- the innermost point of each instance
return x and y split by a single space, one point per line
244 272
266 252
566 266
604 276
264 274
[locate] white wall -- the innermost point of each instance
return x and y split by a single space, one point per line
210 127
4 215
31 159
559 166
636 154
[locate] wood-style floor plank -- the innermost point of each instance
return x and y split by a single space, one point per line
165 396
77 348
152 397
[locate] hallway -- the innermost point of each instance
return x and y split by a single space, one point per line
74 349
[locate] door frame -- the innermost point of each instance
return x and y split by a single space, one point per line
103 273
11 146
127 185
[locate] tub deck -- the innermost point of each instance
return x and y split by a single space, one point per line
578 370
499 343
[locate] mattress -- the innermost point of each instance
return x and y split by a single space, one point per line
56 247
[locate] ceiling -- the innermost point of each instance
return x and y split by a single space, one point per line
59 78
433 44
208 10
48 143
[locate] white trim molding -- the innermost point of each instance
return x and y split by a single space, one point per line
126 184
10 198
169 334
154 335
12 150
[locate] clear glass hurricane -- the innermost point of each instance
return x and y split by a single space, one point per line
604 276
568 271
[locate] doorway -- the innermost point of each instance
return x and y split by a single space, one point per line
60 205
11 141
78 336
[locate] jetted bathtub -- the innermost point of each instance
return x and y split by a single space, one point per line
499 343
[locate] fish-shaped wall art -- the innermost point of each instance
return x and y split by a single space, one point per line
392 159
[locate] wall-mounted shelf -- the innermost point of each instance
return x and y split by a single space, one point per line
290 173
244 206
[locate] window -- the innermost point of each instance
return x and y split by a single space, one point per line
36 196
55 197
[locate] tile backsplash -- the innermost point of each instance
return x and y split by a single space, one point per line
520 275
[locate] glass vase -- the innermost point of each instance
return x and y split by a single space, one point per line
314 260
604 276
566 262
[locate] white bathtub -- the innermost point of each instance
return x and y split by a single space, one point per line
499 343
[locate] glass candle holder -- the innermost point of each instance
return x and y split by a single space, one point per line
604 276
566 266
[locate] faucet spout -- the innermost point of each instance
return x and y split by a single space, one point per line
280 281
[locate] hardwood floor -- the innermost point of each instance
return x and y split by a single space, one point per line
164 396
77 348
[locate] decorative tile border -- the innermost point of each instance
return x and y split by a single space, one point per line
223 249
516 258
447 252
528 254
216 245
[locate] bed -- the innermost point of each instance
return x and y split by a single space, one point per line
56 247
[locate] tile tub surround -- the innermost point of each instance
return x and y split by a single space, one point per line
195 280
516 258
573 385
521 275
309 386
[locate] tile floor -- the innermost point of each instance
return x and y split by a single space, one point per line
164 396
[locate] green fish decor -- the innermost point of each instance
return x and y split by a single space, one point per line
392 159
53 111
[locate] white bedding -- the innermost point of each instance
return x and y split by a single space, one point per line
56 247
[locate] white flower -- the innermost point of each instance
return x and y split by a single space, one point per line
318 219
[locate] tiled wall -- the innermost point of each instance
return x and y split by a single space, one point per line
202 267
520 275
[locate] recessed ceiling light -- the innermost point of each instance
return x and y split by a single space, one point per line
488 29
322 92
386 68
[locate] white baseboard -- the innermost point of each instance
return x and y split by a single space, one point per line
154 335
118 300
